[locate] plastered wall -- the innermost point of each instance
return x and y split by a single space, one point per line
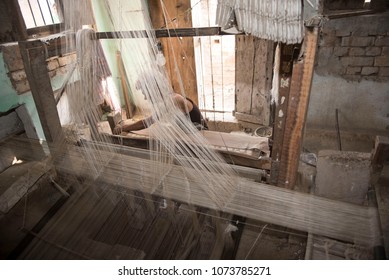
352 75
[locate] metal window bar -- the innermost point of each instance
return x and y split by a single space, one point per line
51 14
32 13
40 9
45 10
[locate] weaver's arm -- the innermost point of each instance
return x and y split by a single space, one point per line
138 125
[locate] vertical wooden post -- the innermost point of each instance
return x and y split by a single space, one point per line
286 66
19 30
297 110
34 59
179 17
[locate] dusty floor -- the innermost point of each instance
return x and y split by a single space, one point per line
273 243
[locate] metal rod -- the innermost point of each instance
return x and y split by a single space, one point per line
40 9
214 111
32 13
51 14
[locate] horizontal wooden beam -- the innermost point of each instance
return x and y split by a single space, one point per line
163 33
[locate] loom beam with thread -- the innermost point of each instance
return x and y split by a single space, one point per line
294 210
163 33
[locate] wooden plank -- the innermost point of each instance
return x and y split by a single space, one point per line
262 80
29 126
244 65
10 124
179 52
248 118
33 54
297 110
254 65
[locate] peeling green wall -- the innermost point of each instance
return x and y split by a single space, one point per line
10 99
109 46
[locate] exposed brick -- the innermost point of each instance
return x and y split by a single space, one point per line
370 78
357 51
369 70
330 41
341 51
52 73
373 51
381 61
52 64
22 86
18 75
357 61
62 70
342 32
12 58
384 72
357 41
363 30
67 59
353 70
385 51
382 41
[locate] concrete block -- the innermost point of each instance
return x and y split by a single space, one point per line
330 41
341 51
384 72
353 70
357 61
381 61
373 51
344 32
385 51
357 41
382 41
343 176
357 51
369 70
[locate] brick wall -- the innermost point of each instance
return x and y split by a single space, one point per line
355 48
14 63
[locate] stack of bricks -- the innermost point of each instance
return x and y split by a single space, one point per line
55 65
355 48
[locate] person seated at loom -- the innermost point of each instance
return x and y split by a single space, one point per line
184 104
